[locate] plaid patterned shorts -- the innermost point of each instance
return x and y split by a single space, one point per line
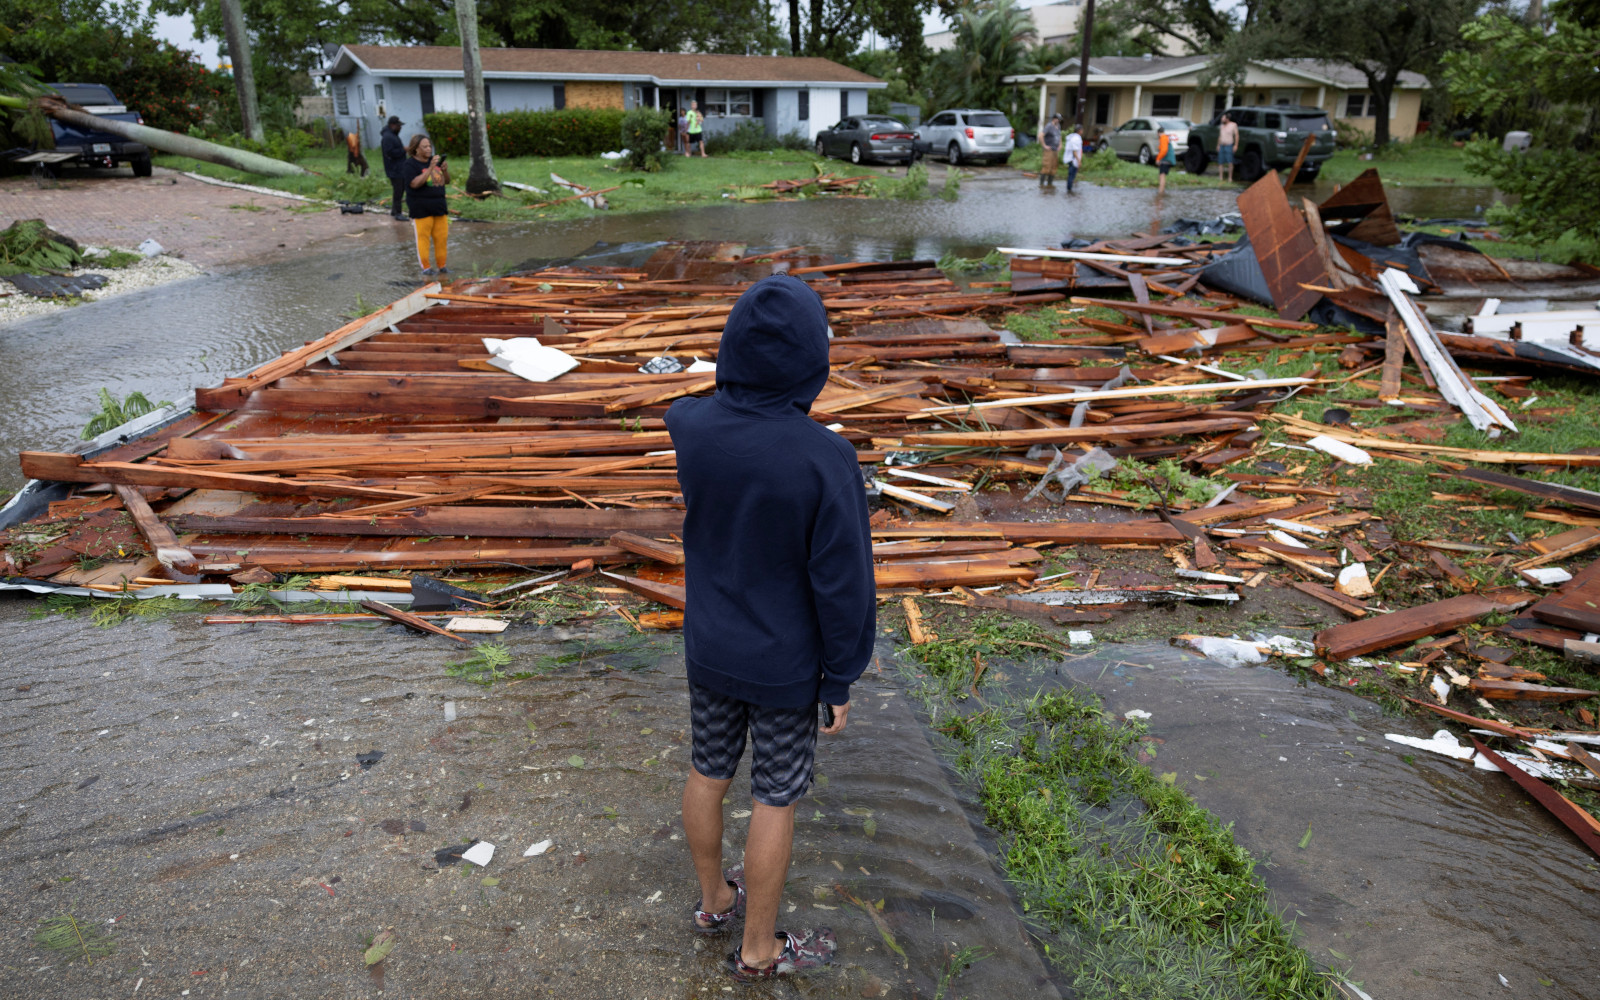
785 744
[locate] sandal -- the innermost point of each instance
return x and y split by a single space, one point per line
716 923
810 950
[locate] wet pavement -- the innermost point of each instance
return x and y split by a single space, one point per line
167 341
199 786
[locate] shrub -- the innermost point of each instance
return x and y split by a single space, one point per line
643 131
912 187
568 132
752 136
288 144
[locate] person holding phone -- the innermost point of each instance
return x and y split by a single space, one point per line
425 176
781 606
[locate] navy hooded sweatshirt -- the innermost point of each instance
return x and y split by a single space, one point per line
778 556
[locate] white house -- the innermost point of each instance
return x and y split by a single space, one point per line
785 93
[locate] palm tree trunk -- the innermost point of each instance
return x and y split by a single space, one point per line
480 173
244 78
166 142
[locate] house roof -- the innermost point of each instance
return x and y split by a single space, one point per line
592 64
1139 69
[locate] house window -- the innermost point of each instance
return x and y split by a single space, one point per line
1282 97
1166 105
488 102
425 95
377 92
722 103
1102 109
1219 104
805 106
1360 106
844 104
341 100
560 96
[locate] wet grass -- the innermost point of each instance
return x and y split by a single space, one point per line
1419 163
1131 888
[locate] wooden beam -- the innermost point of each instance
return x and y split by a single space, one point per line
63 468
169 552
1383 631
666 552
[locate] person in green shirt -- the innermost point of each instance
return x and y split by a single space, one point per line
696 130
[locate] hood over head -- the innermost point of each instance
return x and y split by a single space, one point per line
773 359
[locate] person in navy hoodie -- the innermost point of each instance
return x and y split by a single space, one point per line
781 603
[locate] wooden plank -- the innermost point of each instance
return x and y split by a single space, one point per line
1576 604
1101 432
671 594
410 620
1359 637
975 572
307 560
1569 495
1194 312
914 622
168 551
1331 597
1282 244
1200 339
1546 796
1520 691
666 552
61 468
1130 392
1528 629
472 522
1394 357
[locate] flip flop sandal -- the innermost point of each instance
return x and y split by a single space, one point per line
806 952
716 923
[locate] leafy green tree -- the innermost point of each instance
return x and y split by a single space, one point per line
1542 79
991 42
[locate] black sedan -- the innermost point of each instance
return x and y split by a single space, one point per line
867 137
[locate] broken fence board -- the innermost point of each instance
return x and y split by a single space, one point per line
1383 631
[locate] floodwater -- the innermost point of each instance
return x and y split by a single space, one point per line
1422 879
166 341
199 786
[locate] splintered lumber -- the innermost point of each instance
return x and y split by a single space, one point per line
1099 432
914 622
1196 313
1569 495
1306 429
1284 247
1482 411
672 595
1130 392
408 619
63 468
1558 805
666 552
1369 635
1110 258
168 551
1517 690
472 522
1576 604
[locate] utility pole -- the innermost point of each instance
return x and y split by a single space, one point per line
1087 28
480 171
244 80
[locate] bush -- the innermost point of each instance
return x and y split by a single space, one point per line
568 132
288 145
912 187
643 132
752 136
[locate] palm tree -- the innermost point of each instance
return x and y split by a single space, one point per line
991 42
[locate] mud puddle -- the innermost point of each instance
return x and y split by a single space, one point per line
1421 878
198 787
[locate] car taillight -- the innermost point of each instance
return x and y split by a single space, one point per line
1013 135
969 133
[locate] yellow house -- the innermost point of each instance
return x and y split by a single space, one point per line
1124 87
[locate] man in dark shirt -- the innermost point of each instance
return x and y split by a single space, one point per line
781 605
394 158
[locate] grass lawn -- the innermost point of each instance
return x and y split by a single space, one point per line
1421 163
686 181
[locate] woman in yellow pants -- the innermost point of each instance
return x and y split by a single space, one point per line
425 176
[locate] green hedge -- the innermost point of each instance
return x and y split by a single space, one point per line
569 132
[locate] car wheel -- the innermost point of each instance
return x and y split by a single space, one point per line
821 149
1251 168
953 154
1309 172
1102 145
856 155
1195 160
1145 156
1002 160
142 167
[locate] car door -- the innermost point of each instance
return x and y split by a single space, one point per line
830 139
938 131
849 135
1120 138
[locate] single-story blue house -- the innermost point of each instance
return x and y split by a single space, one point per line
786 94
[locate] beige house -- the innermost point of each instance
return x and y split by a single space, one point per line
1124 87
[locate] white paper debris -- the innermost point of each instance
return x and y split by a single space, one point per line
537 849
1338 449
1228 652
475 625
449 711
1442 742
700 365
526 358
479 853
1080 637
1354 582
1440 688
151 248
1284 538
1136 713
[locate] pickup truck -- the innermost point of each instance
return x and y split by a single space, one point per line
95 148
1269 139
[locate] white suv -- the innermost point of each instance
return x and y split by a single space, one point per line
963 135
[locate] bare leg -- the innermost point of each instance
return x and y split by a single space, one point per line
702 824
766 868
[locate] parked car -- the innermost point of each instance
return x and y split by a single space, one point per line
95 148
1137 139
860 138
963 135
1269 139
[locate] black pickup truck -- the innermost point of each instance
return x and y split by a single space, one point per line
94 148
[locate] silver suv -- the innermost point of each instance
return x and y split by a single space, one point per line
963 135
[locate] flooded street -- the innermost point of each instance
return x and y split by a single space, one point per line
167 341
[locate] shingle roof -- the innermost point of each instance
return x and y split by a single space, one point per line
1340 74
1343 74
1135 65
578 63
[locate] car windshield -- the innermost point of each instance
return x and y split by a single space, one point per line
1179 124
1305 123
84 93
988 119
883 124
